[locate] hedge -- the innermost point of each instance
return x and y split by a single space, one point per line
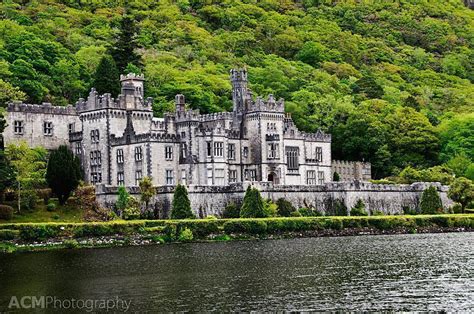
202 228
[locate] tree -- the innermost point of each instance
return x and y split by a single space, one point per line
106 77
368 87
462 191
147 191
459 164
430 201
63 173
29 166
122 200
285 208
181 204
252 206
125 45
231 211
336 177
359 209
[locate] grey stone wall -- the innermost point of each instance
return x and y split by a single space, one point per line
211 200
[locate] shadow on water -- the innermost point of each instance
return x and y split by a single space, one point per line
396 272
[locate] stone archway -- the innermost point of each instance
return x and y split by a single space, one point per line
273 177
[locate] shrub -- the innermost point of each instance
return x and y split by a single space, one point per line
122 200
51 207
339 208
211 217
44 194
71 244
132 211
28 200
336 177
409 211
185 235
245 226
181 204
8 234
269 208
231 211
430 202
296 214
378 213
456 208
285 208
6 212
359 209
38 232
252 206
309 212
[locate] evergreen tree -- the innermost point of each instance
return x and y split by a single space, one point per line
252 206
359 209
430 201
336 177
231 211
181 204
63 173
125 45
123 197
106 77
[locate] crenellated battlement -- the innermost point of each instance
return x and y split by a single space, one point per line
44 108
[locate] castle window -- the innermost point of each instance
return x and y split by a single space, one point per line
96 164
183 150
273 151
292 162
311 177
250 175
183 134
209 149
138 153
48 128
246 151
71 127
169 177
319 154
209 176
218 149
232 176
120 178
95 136
219 177
169 152
120 156
78 148
320 177
18 127
183 177
231 151
138 177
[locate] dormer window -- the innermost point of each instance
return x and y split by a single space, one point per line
48 128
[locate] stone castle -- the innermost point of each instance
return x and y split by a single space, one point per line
215 155
119 141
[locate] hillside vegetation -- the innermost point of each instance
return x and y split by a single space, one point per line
392 81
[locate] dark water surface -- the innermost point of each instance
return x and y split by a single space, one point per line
396 272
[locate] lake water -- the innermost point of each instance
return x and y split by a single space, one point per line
392 272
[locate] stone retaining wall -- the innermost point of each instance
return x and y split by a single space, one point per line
211 200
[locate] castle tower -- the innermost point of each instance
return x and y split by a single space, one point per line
132 88
180 103
240 92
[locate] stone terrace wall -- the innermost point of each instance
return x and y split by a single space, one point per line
211 200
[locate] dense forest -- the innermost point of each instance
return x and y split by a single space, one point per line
392 81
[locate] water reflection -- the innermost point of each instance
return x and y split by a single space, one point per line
399 272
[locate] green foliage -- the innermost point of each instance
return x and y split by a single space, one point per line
231 211
122 200
269 208
51 207
285 208
334 62
252 206
186 235
63 172
6 212
147 191
106 77
309 212
336 177
462 191
181 204
7 234
132 211
430 202
359 209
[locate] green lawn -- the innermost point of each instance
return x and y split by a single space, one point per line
66 213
